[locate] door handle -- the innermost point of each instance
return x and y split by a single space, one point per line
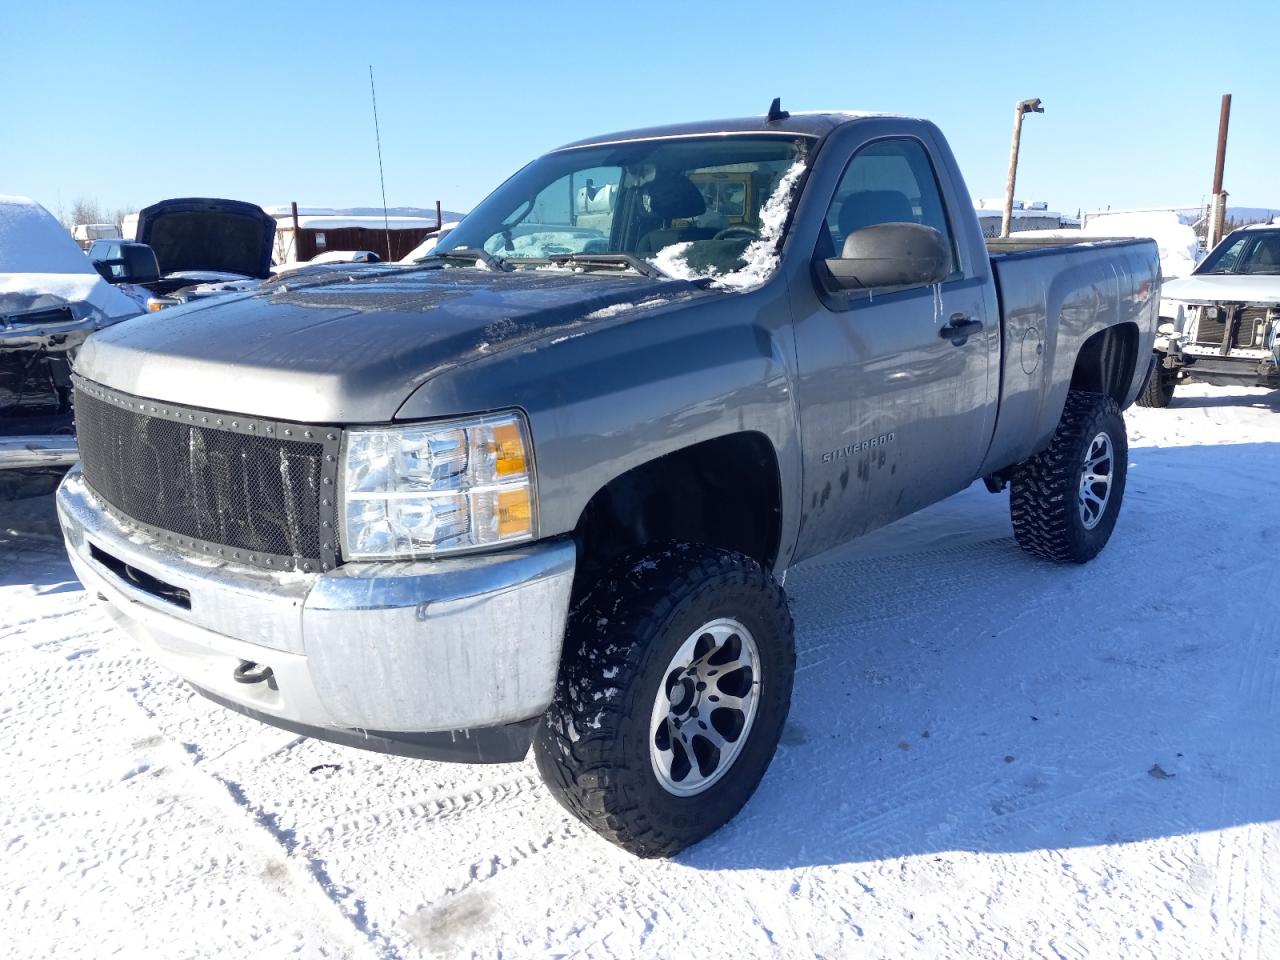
959 328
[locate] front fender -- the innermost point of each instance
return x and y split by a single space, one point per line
629 390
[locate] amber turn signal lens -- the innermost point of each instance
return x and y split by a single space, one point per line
515 513
509 450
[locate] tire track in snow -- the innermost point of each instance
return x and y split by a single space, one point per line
1238 894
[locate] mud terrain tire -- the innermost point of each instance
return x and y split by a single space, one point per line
1057 513
596 746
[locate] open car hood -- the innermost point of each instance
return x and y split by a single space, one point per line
200 233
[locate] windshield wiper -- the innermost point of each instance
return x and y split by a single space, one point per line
638 264
470 255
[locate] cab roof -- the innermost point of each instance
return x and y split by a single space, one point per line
798 124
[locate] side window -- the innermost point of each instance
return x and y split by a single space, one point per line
889 181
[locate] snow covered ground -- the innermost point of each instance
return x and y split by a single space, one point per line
987 756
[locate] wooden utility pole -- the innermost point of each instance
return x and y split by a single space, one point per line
1218 213
1023 107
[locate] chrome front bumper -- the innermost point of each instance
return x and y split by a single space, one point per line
18 453
358 655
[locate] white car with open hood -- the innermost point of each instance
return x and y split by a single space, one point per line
1221 325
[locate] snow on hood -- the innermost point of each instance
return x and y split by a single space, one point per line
1241 288
41 266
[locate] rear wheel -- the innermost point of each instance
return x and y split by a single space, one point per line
1159 389
1064 501
675 684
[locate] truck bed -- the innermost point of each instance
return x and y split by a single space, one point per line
1003 245
1053 295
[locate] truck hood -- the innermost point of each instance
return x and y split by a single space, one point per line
201 233
351 348
1231 287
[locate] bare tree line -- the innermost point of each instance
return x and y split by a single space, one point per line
86 210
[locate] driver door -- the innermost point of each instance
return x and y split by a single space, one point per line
894 414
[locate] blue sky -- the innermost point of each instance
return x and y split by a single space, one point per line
129 103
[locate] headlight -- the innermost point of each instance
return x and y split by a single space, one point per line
428 489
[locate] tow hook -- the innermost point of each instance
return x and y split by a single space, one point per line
250 672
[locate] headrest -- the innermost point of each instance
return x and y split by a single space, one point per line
673 195
865 208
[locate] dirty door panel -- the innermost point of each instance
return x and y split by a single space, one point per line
894 416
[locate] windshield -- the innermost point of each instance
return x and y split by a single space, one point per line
1247 251
697 207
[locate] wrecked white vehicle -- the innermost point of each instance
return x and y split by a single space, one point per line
1221 325
51 299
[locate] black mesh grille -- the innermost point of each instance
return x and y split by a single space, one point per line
259 495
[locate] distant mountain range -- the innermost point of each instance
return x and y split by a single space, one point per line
1251 214
449 215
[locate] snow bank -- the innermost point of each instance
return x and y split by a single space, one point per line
1179 246
760 258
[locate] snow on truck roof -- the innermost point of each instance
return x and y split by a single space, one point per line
40 265
800 123
32 241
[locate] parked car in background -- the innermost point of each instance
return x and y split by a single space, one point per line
51 299
543 487
192 241
429 244
1221 324
86 233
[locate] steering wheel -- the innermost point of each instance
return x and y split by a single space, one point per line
737 233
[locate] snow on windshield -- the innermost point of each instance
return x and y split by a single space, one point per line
760 257
727 197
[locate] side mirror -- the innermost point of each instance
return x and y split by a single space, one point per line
137 265
890 255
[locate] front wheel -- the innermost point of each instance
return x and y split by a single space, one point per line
1065 500
672 695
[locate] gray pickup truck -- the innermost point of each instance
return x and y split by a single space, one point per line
543 487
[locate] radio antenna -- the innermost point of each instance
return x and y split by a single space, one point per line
377 135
